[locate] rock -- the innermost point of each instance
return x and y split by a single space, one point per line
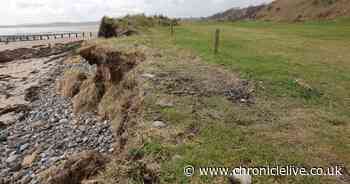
12 158
10 55
148 75
26 179
303 84
78 168
54 159
2 125
177 157
29 159
4 172
23 147
3 137
63 121
159 124
15 167
14 108
111 150
240 179
21 116
38 124
18 175
165 103
53 120
90 182
31 94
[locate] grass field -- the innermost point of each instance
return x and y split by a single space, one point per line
301 113
300 123
278 54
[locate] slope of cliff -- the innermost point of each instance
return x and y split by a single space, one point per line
302 10
238 14
289 10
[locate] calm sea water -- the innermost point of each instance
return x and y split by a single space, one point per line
49 29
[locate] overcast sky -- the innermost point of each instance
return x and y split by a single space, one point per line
43 11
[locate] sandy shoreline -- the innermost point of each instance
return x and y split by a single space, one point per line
20 74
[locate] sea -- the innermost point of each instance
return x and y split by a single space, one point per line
20 30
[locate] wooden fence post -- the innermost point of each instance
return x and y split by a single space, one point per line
217 41
172 29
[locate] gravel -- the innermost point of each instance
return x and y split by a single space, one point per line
51 130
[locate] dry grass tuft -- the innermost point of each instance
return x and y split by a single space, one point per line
69 86
89 96
76 59
80 167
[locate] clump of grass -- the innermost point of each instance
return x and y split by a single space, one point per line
131 24
303 90
70 84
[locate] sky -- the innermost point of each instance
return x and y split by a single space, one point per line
14 12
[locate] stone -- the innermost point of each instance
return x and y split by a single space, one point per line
159 124
3 137
21 116
77 168
7 119
148 75
90 182
31 94
240 179
15 166
26 179
63 121
29 159
54 159
12 158
53 120
23 147
37 124
4 172
18 175
2 125
165 103
177 157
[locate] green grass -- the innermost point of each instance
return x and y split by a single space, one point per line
274 56
289 124
278 54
